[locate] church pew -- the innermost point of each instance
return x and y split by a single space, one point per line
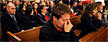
76 20
97 36
28 35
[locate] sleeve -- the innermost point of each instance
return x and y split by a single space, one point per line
9 26
69 36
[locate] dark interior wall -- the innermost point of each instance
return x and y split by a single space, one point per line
0 32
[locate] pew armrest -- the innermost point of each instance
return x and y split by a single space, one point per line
15 37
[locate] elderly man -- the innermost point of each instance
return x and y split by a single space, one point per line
9 20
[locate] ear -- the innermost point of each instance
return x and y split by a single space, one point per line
41 10
7 9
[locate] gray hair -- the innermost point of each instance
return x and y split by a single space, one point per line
10 4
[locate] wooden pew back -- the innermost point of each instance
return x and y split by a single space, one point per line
28 35
75 20
100 35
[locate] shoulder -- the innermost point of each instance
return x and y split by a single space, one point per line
39 15
45 28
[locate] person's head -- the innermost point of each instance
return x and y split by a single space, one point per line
24 0
69 6
3 6
9 2
32 2
80 3
43 9
23 7
11 9
47 3
51 4
28 11
74 4
60 14
100 6
35 6
91 9
17 2
60 1
42 1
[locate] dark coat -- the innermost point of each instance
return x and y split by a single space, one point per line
41 19
49 33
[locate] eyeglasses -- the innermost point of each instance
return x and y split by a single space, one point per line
13 8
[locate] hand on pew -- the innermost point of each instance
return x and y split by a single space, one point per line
22 30
26 35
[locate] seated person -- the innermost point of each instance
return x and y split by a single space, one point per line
91 20
29 20
10 21
100 8
80 5
60 27
75 9
35 8
23 9
43 16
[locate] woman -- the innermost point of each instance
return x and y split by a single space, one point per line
35 8
100 8
23 9
91 20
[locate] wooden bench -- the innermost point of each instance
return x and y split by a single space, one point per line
97 36
28 35
76 20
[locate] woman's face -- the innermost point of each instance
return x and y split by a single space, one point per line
24 7
95 11
35 6
100 7
69 6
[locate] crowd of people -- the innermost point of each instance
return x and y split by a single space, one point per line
54 17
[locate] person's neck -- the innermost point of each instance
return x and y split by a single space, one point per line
43 13
35 10
55 26
17 5
11 14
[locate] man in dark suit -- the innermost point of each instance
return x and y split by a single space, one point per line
60 27
9 20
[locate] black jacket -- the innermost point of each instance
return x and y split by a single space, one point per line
89 25
9 24
49 33
41 19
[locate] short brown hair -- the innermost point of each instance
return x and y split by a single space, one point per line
98 4
60 9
